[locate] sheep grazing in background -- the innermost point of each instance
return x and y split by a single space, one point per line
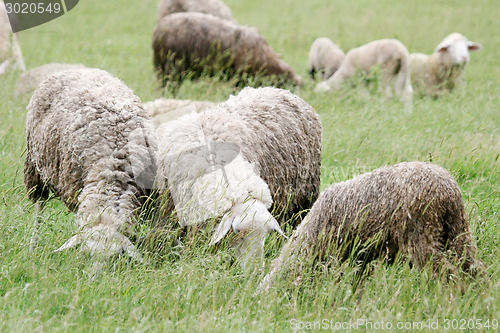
195 44
414 209
443 70
390 55
28 81
163 110
324 57
90 142
213 7
11 56
258 152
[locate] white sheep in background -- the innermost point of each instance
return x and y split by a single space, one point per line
414 209
324 57
213 7
163 110
443 70
90 142
11 56
237 159
28 81
390 55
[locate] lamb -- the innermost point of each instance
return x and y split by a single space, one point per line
213 7
28 81
414 209
90 142
258 152
392 58
443 70
11 56
325 57
195 44
163 110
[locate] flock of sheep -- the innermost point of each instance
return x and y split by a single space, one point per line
249 163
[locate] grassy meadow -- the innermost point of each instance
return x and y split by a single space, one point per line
203 290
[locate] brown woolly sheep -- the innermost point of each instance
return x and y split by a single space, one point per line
414 209
90 142
196 44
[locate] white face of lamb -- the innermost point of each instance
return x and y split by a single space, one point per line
459 53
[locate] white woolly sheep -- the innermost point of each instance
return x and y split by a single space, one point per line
388 54
163 110
259 148
11 56
195 44
414 209
443 70
324 57
213 7
28 81
90 142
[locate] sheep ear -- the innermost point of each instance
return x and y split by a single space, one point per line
223 228
276 227
474 46
442 47
70 243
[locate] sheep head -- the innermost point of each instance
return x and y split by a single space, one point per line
456 49
251 222
102 241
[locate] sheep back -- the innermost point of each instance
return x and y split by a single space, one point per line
412 208
325 57
213 7
85 131
278 133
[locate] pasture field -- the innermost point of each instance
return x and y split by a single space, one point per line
203 290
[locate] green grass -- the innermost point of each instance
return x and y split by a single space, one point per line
204 290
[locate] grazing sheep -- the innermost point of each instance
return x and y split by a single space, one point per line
195 44
90 142
28 81
412 208
259 148
324 57
213 7
443 70
163 110
11 56
392 58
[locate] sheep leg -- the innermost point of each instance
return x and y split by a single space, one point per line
39 205
425 245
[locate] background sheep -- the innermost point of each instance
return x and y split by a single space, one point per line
412 208
324 57
392 58
90 142
10 50
443 70
28 81
195 44
213 7
265 148
163 110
